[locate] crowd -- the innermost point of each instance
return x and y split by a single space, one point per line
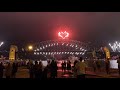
38 70
66 66
80 66
10 70
97 65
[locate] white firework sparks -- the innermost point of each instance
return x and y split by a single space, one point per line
115 46
1 43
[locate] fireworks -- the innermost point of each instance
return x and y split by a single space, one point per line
63 35
1 43
115 46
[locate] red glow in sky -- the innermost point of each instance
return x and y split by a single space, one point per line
63 35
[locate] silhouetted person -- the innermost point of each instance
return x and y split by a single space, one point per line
45 72
1 70
40 67
107 62
81 68
14 69
48 69
94 66
8 70
31 70
98 65
68 66
64 66
36 70
53 69
74 69
118 61
75 62
56 67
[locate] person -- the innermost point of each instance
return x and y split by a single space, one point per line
1 70
8 70
64 66
40 68
98 65
94 65
45 72
68 66
80 68
48 69
75 62
53 69
14 69
118 61
35 68
74 70
107 62
56 68
31 70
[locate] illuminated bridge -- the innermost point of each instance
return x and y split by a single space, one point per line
60 47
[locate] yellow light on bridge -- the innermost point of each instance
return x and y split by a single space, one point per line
30 47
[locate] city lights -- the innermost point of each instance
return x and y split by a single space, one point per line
37 49
43 47
67 45
83 53
58 53
37 53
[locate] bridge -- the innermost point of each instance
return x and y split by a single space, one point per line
53 47
66 48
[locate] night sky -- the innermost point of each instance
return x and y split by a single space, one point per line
40 26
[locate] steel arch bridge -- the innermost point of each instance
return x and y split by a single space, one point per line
53 47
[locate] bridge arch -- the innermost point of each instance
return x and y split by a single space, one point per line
52 47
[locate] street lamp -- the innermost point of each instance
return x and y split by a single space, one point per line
30 47
30 53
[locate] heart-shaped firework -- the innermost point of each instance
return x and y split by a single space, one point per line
63 35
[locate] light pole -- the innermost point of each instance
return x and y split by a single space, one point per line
30 47
30 51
